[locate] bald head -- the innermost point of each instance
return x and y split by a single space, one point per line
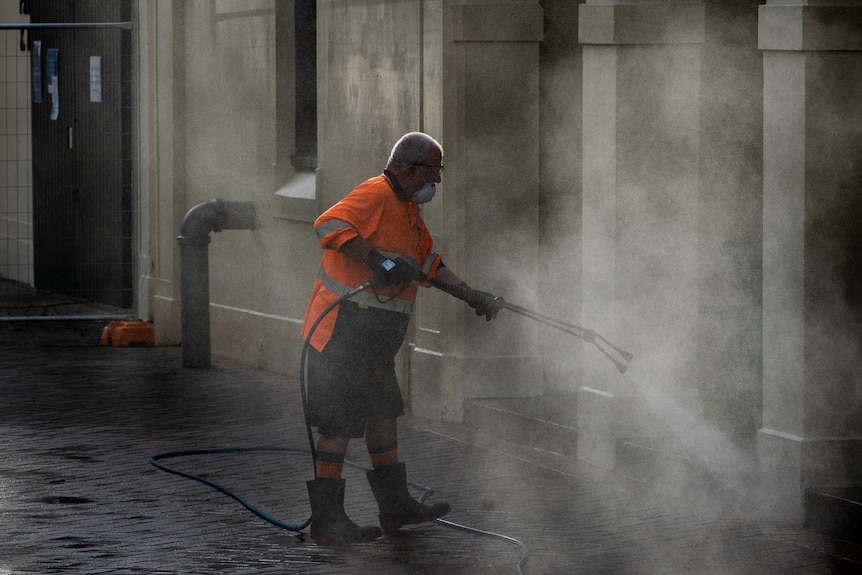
414 148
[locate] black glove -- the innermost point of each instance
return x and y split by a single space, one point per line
389 272
485 304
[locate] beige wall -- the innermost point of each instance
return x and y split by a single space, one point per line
214 124
213 118
482 89
641 162
606 169
164 153
560 222
369 70
811 320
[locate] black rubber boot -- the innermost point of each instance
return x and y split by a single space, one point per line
329 523
397 506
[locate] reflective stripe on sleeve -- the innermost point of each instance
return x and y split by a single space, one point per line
331 226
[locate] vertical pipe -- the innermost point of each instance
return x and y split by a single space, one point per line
195 291
215 215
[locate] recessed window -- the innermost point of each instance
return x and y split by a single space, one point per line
296 107
305 83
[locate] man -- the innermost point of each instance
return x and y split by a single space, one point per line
376 232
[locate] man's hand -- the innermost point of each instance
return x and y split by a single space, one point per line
389 272
485 304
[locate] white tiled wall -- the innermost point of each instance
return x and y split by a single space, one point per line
16 192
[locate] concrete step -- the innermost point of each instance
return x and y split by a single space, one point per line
545 423
835 511
658 463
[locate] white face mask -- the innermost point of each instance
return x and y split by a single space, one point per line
425 193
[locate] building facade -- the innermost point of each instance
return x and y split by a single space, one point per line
679 176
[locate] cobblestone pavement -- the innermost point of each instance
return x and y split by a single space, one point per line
79 424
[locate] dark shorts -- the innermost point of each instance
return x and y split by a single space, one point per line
353 378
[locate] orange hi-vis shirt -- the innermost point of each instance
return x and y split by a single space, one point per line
374 212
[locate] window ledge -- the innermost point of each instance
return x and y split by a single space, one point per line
297 199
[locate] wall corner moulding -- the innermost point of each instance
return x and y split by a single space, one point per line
809 28
641 23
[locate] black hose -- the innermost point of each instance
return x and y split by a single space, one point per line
303 359
155 460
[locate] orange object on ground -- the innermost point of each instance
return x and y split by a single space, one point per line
128 334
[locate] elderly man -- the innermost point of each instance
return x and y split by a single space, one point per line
376 233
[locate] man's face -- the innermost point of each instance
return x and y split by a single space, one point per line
431 171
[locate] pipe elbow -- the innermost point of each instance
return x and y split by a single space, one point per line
201 220
215 216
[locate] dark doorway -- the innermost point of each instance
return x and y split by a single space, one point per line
82 198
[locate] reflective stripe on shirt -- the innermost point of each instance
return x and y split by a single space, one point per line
365 298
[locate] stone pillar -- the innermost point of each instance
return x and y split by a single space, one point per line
142 52
641 81
166 142
481 98
812 289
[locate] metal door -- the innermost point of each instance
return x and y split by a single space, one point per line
82 208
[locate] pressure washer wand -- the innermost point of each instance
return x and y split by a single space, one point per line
588 335
585 334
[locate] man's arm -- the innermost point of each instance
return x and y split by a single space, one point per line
386 271
357 249
483 302
446 275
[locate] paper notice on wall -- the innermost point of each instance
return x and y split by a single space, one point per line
53 82
95 78
36 68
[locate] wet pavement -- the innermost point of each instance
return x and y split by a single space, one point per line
78 494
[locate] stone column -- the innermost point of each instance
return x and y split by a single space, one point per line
641 78
481 97
812 376
167 167
142 52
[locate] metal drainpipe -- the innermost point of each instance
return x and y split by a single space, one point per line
213 216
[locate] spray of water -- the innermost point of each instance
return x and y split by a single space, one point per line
727 471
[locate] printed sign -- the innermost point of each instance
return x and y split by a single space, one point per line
95 78
53 82
36 66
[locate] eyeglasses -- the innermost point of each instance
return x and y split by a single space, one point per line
439 168
403 163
